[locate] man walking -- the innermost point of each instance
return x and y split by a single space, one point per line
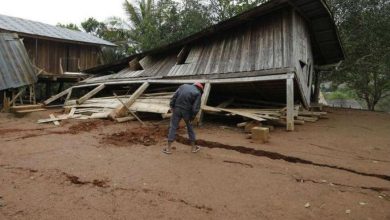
185 104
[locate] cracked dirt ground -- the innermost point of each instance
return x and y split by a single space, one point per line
337 168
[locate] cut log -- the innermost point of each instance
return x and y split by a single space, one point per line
90 94
124 119
100 115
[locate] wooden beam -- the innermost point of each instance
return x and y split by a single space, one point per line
203 102
122 110
55 97
128 109
238 79
290 104
16 96
56 123
90 94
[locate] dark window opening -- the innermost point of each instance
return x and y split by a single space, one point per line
182 56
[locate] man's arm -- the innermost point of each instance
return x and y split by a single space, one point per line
173 99
196 106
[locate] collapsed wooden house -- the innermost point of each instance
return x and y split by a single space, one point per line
264 57
59 54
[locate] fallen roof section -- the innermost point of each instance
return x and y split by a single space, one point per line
326 42
41 30
16 69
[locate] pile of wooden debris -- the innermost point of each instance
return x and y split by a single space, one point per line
123 108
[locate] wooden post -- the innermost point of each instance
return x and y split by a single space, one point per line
290 103
59 95
14 97
69 94
90 94
48 89
122 109
205 97
316 94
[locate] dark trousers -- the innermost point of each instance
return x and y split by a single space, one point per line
177 115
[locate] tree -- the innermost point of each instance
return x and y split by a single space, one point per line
70 26
143 22
195 16
114 30
225 9
365 33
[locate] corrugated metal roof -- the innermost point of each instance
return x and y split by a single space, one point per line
16 69
23 26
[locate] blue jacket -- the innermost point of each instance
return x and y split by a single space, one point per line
187 97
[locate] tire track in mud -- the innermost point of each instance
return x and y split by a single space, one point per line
275 156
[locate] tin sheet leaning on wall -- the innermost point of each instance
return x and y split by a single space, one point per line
16 69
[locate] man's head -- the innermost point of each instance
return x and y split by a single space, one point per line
199 86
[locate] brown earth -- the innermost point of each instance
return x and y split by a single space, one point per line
337 168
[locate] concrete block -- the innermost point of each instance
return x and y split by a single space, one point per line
260 135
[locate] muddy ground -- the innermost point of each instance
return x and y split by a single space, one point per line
337 168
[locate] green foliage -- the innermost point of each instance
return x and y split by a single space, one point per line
114 30
365 32
225 9
340 93
70 26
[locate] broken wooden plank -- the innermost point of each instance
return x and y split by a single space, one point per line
30 110
72 111
90 94
244 114
131 112
55 121
121 110
124 119
55 97
58 118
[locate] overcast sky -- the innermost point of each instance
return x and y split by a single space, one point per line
62 11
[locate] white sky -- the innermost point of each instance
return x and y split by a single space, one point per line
62 11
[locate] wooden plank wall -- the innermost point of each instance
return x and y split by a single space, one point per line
302 51
258 45
48 54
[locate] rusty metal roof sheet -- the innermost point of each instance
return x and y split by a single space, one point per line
34 28
16 69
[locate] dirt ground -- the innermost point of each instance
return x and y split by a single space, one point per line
337 168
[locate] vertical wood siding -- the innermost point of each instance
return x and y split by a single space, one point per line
48 54
302 52
259 45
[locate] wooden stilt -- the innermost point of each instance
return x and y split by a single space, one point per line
290 103
205 97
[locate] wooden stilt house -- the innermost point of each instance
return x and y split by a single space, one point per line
266 55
